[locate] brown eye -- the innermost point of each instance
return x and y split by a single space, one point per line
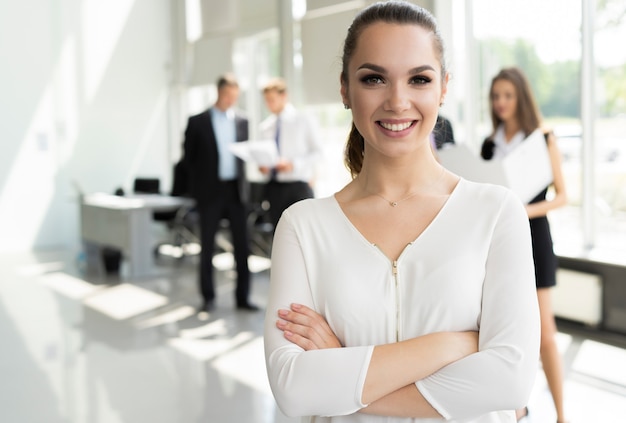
421 80
372 79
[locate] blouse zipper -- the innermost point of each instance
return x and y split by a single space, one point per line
394 271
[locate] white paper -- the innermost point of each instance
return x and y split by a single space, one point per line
259 152
526 170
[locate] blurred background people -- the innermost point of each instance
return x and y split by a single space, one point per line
515 115
218 183
299 148
443 134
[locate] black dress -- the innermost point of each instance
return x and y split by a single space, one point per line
543 252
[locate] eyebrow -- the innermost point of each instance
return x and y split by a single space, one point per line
380 69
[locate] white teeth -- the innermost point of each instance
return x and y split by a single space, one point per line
395 127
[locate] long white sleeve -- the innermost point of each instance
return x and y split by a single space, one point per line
321 382
500 376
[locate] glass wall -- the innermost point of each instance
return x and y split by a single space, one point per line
610 127
545 40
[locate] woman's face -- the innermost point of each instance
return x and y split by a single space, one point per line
504 100
394 87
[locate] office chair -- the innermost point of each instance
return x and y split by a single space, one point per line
147 186
183 230
182 222
153 186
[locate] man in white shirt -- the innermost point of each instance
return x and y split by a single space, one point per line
290 180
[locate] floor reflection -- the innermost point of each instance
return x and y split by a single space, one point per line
99 350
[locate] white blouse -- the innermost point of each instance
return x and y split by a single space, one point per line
504 147
471 269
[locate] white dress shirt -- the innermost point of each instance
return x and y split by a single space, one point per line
299 143
471 269
504 147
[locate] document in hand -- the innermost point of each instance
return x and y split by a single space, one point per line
259 152
526 170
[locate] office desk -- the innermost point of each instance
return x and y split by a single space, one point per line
126 223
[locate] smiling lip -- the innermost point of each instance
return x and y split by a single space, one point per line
396 127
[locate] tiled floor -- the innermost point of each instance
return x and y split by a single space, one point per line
94 349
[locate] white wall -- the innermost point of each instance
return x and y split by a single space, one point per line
84 98
94 93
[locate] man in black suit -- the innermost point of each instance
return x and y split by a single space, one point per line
218 183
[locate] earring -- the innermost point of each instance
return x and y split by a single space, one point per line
346 106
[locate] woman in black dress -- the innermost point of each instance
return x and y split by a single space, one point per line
515 115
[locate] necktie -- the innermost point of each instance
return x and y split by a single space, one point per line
277 139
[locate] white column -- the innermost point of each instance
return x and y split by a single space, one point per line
588 115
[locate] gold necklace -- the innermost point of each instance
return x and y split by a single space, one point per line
396 202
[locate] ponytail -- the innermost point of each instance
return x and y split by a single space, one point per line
353 157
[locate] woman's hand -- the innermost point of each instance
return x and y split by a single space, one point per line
306 328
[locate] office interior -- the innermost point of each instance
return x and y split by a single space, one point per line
97 94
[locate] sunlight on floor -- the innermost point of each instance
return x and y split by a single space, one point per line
207 349
247 365
170 316
225 261
70 286
611 367
124 301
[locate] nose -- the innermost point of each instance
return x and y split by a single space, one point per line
397 99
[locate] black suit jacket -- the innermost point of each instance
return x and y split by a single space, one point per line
201 158
443 132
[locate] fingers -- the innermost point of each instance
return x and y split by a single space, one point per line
301 341
303 336
300 329
306 328
303 315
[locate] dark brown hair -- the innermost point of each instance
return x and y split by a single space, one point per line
227 80
527 112
394 12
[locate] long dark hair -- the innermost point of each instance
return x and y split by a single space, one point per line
527 112
395 12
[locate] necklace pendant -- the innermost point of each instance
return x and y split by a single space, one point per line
393 203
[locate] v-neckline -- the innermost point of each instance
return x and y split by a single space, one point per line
435 219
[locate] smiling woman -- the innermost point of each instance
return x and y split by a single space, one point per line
382 301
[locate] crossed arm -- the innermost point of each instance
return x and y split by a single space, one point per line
389 387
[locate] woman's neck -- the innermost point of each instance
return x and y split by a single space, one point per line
510 129
401 179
